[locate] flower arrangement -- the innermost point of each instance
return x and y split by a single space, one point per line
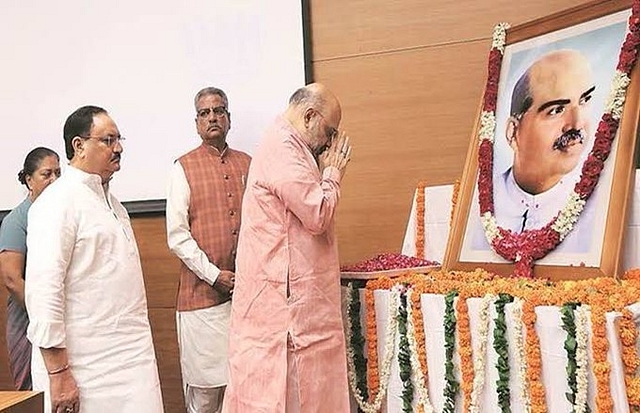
596 297
532 244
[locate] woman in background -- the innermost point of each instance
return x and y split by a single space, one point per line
41 168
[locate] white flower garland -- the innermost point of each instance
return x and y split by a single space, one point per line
480 359
490 226
520 357
487 126
569 215
615 101
582 359
500 36
417 375
389 347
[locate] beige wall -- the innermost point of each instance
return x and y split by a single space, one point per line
410 76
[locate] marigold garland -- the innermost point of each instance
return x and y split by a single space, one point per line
454 200
372 345
465 350
629 338
533 359
420 211
419 337
601 366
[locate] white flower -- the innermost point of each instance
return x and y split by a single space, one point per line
569 215
490 226
582 359
520 359
499 36
615 100
479 360
487 129
417 375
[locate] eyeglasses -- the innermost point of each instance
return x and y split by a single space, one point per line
218 111
109 141
332 131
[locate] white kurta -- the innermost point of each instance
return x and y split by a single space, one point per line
85 291
203 334
518 210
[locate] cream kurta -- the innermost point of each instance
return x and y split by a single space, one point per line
85 292
287 235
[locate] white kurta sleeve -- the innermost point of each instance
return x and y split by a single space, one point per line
51 237
179 237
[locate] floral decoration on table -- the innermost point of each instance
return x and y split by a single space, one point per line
388 261
530 245
584 307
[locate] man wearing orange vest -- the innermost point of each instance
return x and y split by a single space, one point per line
204 200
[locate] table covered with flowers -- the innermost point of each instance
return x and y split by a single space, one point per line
472 342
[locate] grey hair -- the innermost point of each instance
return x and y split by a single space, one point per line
211 91
306 97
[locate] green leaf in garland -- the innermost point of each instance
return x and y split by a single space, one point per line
501 346
357 343
404 356
451 385
570 346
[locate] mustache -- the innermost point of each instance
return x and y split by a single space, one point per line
567 138
116 157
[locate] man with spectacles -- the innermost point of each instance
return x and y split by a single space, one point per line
204 199
84 285
286 341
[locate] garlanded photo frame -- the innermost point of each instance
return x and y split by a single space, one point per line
573 227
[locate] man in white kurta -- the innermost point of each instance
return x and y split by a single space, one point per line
93 350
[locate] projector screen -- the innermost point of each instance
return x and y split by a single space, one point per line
143 61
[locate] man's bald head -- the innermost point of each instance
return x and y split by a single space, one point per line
316 113
550 119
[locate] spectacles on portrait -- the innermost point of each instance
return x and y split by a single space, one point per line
218 111
108 140
330 132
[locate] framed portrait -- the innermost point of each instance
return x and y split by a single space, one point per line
555 83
